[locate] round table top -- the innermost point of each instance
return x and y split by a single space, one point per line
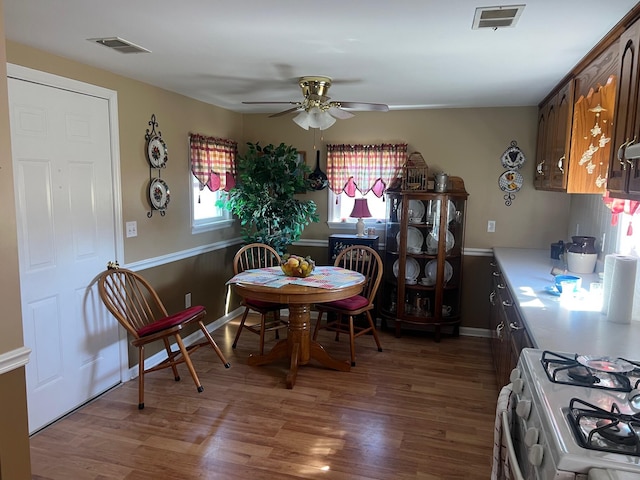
300 294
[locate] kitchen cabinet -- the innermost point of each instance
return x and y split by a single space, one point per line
593 123
624 174
508 333
553 141
338 242
424 239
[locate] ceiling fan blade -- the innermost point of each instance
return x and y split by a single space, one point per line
289 110
270 103
373 107
338 113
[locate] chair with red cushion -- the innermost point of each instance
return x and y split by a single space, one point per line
366 261
258 255
138 308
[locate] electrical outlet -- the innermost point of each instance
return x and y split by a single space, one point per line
132 229
187 300
491 226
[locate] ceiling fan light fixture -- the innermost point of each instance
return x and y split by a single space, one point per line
303 120
320 118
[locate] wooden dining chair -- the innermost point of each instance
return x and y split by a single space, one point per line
366 261
259 255
138 308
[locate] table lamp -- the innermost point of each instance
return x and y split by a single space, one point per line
360 211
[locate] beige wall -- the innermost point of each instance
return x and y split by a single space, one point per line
14 440
177 116
463 142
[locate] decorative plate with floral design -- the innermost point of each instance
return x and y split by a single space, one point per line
159 195
157 152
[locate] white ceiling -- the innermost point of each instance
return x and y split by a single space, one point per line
405 53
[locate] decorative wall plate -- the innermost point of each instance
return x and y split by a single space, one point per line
513 156
159 195
510 181
157 152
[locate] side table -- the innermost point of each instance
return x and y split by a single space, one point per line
338 242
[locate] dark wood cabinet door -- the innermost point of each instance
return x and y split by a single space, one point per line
560 138
541 179
626 110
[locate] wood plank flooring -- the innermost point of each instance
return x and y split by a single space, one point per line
417 410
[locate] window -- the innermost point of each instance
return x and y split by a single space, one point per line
339 213
361 171
212 174
205 215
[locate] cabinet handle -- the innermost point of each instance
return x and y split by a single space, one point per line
492 264
514 326
560 163
507 303
620 154
492 297
501 286
540 168
495 274
630 162
499 329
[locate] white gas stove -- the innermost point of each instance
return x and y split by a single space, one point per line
576 416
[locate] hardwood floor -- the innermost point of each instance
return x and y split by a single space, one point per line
417 410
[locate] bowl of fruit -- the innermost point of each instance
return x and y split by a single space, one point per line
296 266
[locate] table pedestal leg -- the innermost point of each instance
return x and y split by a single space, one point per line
299 347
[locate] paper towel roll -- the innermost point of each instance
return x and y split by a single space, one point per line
609 261
623 284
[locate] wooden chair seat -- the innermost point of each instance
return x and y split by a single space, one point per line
138 308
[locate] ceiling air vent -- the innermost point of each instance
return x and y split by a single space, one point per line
119 44
497 17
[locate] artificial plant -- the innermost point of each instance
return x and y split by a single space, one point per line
264 196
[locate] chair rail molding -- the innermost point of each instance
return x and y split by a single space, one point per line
13 359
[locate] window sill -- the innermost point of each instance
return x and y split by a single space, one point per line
209 227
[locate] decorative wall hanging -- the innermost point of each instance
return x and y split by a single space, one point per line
157 155
318 179
511 180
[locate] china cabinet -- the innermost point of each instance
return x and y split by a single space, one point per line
424 239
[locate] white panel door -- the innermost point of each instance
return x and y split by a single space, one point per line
66 236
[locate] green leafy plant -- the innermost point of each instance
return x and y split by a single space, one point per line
264 197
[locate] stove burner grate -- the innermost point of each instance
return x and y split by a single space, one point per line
598 429
567 370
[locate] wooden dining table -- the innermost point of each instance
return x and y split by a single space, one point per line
325 284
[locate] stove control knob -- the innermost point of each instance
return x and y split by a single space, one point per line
523 409
535 455
531 437
518 385
515 374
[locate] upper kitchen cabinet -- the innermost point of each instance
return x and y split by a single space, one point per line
554 127
593 122
624 177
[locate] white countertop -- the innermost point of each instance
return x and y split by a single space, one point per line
574 326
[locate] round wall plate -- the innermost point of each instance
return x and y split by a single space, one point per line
157 152
159 194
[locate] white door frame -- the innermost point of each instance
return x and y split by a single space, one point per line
111 96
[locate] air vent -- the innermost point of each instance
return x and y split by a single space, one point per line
119 44
497 17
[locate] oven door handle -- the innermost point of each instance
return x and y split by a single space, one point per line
513 459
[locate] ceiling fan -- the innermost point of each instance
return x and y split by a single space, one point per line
316 110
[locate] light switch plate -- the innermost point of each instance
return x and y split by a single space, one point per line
491 226
132 229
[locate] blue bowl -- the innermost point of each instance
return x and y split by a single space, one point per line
570 281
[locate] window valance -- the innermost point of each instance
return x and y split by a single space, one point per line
213 161
364 167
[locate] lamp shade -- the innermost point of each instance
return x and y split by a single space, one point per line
360 209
